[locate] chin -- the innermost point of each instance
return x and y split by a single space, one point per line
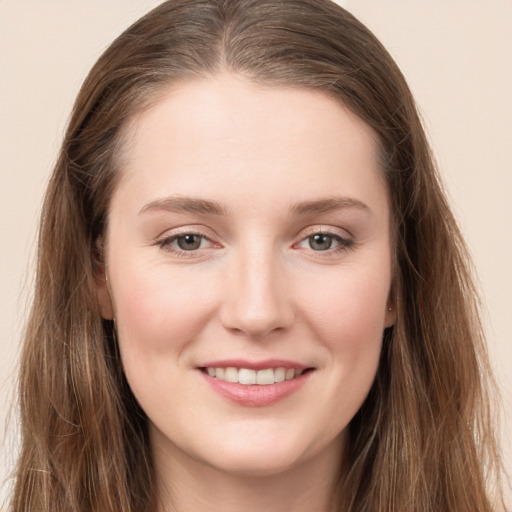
253 463
264 455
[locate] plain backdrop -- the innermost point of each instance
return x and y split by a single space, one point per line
457 58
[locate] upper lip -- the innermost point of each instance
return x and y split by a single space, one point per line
254 365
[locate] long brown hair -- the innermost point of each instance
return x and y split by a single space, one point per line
422 441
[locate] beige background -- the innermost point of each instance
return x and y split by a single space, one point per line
456 55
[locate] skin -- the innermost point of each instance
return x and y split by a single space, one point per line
256 288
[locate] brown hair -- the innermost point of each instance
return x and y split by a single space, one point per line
423 439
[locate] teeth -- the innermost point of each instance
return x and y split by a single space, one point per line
279 375
290 373
265 377
231 374
248 377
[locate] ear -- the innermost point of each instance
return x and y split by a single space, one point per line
390 317
103 296
101 282
391 313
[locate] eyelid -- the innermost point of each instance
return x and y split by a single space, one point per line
193 229
344 242
325 230
165 240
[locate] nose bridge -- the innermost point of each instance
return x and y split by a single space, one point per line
259 301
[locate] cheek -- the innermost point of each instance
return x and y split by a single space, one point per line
159 310
158 315
349 308
346 317
353 336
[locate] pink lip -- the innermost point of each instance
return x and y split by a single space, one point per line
255 395
254 365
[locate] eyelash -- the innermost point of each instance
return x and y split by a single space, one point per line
344 244
165 243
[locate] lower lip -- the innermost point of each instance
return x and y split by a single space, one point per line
256 395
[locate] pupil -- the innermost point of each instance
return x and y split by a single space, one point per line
189 242
320 242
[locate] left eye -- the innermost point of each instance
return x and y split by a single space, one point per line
324 241
320 242
186 242
189 242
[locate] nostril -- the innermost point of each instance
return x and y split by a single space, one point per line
257 324
257 302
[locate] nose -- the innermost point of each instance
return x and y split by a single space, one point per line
258 297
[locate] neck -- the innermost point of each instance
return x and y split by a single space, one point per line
188 485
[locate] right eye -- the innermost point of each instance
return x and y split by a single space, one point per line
189 242
185 243
322 241
327 242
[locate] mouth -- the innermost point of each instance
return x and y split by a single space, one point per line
255 384
249 376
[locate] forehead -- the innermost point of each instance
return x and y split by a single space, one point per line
224 134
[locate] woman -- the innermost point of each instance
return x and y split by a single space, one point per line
251 291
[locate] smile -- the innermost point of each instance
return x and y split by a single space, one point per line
248 376
255 384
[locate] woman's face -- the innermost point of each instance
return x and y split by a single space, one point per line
248 239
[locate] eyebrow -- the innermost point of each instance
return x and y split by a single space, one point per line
196 205
326 205
185 204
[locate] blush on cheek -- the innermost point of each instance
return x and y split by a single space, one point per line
358 352
161 310
142 313
357 306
